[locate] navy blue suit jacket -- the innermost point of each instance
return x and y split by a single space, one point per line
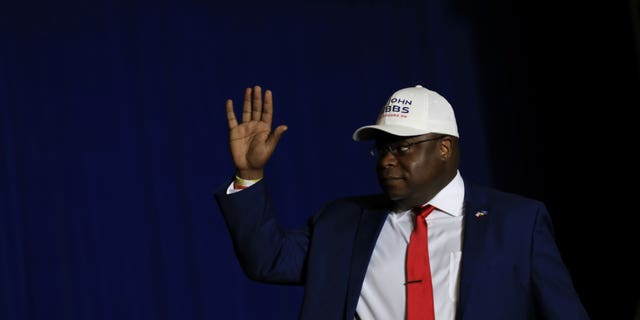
510 268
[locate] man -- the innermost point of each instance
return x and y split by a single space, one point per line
430 246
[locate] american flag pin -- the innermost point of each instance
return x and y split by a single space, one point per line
481 213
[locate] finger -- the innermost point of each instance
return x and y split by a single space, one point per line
257 103
277 133
231 116
246 106
267 112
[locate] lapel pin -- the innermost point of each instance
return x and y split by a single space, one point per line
481 213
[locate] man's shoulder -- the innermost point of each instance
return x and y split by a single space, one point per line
350 208
485 194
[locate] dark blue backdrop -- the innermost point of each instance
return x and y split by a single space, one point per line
114 136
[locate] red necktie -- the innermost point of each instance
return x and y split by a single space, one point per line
419 288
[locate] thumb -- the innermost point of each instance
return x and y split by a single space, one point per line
277 133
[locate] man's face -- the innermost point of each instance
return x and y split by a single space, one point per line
410 169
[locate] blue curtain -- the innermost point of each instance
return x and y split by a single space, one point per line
114 137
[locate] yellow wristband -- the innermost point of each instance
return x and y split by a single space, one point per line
240 183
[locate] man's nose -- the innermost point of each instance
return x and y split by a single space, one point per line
387 159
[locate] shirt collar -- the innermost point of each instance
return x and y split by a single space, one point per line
451 198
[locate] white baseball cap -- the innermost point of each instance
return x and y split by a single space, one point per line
412 111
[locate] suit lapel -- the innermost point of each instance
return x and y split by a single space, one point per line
476 220
369 226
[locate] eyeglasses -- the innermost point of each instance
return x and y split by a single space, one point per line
397 150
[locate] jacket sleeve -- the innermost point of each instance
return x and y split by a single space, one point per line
266 252
552 285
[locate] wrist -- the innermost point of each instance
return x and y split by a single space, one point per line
250 174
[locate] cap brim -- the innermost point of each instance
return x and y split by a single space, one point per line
370 132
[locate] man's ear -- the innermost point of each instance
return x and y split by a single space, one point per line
445 148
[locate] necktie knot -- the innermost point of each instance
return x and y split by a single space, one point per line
424 211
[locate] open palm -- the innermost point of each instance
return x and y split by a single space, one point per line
252 142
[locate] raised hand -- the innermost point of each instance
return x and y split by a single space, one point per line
252 142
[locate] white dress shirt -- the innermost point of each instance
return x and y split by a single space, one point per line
383 294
